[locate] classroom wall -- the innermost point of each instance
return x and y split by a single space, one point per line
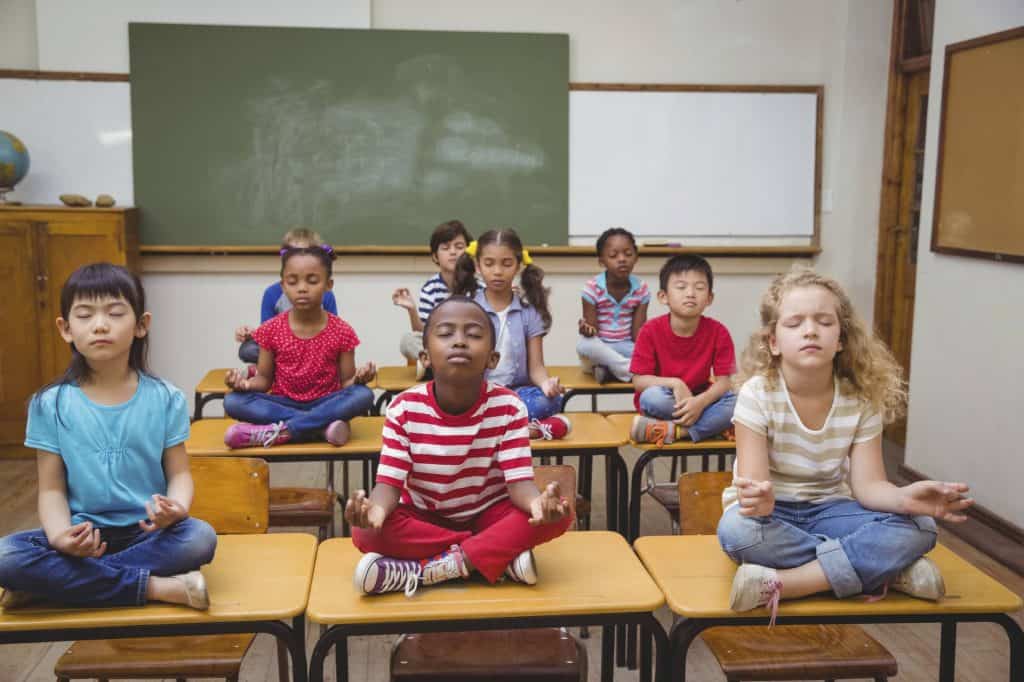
842 44
967 372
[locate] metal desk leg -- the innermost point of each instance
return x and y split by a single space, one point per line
947 651
1016 637
607 653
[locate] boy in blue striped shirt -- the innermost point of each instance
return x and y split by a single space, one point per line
447 243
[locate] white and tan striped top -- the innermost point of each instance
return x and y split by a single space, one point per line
805 465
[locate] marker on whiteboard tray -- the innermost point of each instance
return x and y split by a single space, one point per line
673 245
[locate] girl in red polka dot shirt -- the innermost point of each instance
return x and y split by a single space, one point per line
306 384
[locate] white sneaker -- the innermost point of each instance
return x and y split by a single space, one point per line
522 569
755 586
920 579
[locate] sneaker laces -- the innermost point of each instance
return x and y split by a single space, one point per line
398 572
269 436
444 566
872 598
771 592
545 429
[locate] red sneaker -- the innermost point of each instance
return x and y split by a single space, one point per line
243 435
552 428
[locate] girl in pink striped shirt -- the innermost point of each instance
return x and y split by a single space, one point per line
455 490
614 308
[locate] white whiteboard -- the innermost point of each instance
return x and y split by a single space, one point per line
78 134
712 165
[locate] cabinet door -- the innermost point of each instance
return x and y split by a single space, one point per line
67 242
19 342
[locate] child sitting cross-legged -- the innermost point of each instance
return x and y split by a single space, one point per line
683 361
455 490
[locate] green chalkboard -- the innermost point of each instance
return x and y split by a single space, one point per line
371 137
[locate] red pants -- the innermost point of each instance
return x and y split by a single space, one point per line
491 540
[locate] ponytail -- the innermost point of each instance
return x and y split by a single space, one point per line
465 276
536 294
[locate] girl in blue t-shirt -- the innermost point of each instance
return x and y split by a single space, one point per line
114 480
520 324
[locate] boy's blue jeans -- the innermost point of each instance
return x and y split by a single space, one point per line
859 549
119 577
303 419
538 405
659 402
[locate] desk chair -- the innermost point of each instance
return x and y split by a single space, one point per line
785 652
231 494
534 655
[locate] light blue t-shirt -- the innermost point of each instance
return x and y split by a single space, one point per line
113 454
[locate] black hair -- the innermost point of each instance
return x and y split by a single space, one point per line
446 232
95 281
323 253
614 232
685 263
457 298
531 278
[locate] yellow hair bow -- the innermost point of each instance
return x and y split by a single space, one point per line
526 258
471 249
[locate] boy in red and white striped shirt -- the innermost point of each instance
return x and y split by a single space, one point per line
455 490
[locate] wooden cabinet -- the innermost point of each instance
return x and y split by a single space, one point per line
40 246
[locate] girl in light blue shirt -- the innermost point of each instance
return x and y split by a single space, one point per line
114 480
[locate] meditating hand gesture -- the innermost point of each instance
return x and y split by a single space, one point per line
940 499
549 506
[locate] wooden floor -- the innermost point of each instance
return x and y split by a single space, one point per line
981 654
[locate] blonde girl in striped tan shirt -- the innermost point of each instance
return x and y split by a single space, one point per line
810 509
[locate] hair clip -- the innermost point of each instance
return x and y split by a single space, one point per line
284 250
328 249
471 249
526 258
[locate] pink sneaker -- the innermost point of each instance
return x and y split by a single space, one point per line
552 428
245 435
337 432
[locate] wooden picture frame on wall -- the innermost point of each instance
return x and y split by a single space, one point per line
979 188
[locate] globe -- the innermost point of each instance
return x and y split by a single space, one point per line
13 162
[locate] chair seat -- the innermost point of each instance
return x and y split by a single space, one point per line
549 654
149 657
292 506
667 495
798 652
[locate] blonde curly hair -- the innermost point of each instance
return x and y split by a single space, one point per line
865 367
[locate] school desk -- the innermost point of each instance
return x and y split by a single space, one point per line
585 578
696 576
650 451
212 387
256 583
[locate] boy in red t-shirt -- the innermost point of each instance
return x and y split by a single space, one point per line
683 362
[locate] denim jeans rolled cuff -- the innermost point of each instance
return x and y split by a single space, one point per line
838 569
538 405
249 351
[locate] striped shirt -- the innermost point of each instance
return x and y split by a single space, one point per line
805 465
455 465
615 318
433 291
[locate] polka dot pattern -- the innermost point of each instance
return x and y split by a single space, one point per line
306 369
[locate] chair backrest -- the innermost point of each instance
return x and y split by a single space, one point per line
563 474
232 494
700 501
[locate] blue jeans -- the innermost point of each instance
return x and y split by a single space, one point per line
659 402
119 577
538 405
303 419
249 352
616 356
859 549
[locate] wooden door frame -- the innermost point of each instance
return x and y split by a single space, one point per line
900 72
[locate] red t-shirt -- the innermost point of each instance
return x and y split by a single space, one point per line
659 351
306 369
